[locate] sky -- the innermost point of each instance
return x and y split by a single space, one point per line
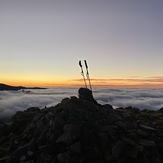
41 42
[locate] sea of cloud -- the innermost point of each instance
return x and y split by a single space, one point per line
13 101
151 99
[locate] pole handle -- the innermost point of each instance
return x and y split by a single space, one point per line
86 64
80 64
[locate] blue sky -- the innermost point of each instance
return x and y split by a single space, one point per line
42 41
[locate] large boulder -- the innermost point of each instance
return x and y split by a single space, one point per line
86 94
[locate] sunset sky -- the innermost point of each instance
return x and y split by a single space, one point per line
42 41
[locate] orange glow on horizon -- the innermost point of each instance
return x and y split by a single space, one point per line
113 83
125 83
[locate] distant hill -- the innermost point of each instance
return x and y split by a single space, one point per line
16 88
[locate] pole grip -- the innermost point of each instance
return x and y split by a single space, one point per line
86 64
80 64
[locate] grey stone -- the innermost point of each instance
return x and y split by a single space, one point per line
129 141
119 149
147 143
148 128
103 137
67 157
75 148
22 158
68 137
142 133
107 156
30 153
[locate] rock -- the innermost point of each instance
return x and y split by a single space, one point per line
68 157
75 148
147 143
142 133
71 133
129 142
81 130
65 101
108 156
21 154
86 94
119 149
148 128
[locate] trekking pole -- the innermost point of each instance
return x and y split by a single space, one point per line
88 74
82 73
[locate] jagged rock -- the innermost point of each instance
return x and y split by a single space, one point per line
142 133
148 128
81 130
147 143
71 133
75 148
119 149
68 157
107 156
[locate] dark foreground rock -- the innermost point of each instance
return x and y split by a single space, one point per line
80 131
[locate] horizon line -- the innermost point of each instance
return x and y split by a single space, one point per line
93 85
136 82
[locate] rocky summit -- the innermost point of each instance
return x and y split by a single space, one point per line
79 130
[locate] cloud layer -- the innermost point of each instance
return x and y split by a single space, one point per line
13 101
151 99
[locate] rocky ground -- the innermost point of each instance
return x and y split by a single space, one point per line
79 130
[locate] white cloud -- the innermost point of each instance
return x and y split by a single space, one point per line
13 101
151 99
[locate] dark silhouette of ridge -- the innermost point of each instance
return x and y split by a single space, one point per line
4 87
